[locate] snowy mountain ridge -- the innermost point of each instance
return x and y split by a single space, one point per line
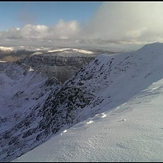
102 85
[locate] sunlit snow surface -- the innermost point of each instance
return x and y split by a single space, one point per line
76 50
122 122
130 132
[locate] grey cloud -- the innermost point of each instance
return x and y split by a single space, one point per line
127 21
11 33
64 29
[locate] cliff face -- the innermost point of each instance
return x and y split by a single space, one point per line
61 65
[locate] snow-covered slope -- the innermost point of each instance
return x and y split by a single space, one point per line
131 132
103 85
23 92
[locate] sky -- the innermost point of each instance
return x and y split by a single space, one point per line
89 23
18 14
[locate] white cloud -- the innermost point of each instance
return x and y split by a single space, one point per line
60 30
113 22
33 31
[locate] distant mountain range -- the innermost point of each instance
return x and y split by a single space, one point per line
20 52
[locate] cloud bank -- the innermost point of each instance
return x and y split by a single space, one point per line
113 22
129 21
